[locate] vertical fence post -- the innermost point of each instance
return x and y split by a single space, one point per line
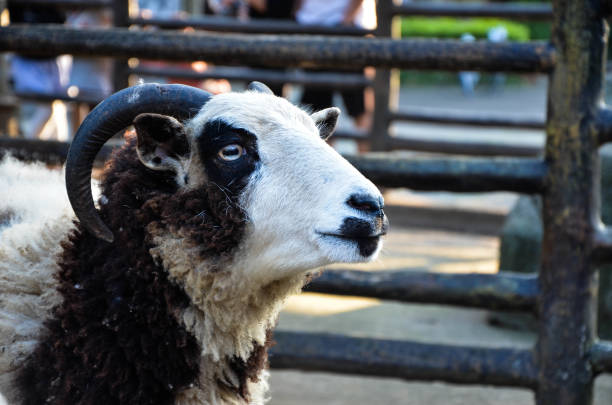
382 81
121 18
568 282
8 106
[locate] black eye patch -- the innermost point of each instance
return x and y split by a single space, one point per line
229 174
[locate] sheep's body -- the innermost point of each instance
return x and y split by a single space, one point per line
216 373
179 309
28 272
34 216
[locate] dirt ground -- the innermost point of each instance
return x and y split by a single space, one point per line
418 249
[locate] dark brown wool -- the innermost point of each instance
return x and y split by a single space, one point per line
6 216
249 370
115 338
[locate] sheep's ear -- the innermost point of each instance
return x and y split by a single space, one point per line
326 120
162 142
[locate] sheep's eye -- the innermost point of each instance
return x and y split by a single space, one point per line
231 152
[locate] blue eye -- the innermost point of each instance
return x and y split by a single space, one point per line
231 152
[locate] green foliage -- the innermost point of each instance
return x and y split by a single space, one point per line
447 27
539 30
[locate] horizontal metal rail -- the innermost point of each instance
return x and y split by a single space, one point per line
53 152
59 96
254 26
463 147
353 133
312 79
280 51
458 117
601 356
504 291
401 359
67 4
453 174
56 151
518 11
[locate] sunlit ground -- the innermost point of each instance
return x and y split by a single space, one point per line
409 249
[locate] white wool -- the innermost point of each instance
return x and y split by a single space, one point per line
40 218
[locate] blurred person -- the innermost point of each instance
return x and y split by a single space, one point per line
172 9
37 74
91 76
268 9
275 10
331 12
160 8
336 13
263 9
230 8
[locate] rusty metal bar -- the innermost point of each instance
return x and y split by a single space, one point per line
459 117
463 147
256 26
53 152
121 16
67 4
59 96
601 356
602 243
401 359
453 174
313 79
504 291
355 133
384 95
604 125
518 11
280 51
568 283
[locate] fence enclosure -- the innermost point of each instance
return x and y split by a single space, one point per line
568 356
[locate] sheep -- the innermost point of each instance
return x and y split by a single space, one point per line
217 210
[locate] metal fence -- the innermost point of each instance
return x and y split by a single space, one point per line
384 88
561 367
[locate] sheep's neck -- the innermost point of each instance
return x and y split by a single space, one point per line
230 312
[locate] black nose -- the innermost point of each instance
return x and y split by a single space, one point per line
366 203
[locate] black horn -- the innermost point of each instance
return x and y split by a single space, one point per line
108 118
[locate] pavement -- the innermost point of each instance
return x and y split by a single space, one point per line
528 99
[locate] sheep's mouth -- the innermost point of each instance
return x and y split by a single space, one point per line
367 245
352 237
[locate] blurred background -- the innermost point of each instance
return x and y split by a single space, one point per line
409 112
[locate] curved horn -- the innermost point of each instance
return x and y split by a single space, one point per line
109 117
259 87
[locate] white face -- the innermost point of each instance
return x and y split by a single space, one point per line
306 205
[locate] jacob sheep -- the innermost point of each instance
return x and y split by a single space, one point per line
208 219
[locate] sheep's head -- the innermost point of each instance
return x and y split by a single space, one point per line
305 205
